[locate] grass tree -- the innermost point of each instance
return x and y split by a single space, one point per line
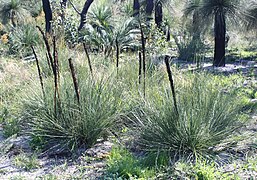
218 12
192 12
12 10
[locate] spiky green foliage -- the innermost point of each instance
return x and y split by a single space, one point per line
72 125
251 16
206 117
22 38
12 10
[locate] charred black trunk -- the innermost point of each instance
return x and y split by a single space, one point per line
83 14
48 15
220 40
136 8
158 14
149 9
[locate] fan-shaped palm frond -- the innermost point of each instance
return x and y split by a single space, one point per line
100 18
125 32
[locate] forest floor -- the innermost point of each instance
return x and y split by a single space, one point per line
18 161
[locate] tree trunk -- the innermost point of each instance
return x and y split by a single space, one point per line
48 15
149 9
158 14
136 8
83 14
220 40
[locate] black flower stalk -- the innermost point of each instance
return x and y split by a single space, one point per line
143 52
88 59
47 48
117 55
171 83
140 67
56 75
75 80
39 71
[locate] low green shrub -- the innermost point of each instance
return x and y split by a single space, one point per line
124 165
206 117
201 170
26 162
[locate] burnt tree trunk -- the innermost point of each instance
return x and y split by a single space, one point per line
220 40
136 8
48 15
158 14
83 14
149 9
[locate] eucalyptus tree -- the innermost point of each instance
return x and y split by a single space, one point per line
219 12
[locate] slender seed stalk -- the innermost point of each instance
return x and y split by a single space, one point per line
117 55
39 71
56 75
48 61
75 80
143 52
171 83
140 67
47 48
56 60
88 59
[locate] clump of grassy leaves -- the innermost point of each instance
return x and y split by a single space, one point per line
206 117
70 124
